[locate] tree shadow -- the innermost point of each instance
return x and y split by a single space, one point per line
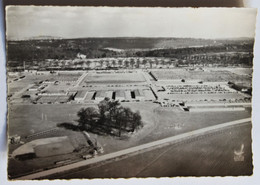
99 129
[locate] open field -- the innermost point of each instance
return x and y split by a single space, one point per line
237 70
208 75
214 157
61 87
43 117
163 122
28 119
159 123
113 78
66 76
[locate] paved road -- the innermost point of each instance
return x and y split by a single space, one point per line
151 85
133 150
81 78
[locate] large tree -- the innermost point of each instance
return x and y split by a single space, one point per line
103 108
87 117
137 121
109 116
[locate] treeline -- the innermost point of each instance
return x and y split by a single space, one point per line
180 52
109 118
66 49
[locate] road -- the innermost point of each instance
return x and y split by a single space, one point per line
81 78
136 149
151 85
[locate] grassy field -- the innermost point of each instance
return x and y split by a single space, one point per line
28 119
66 77
159 123
238 71
62 87
211 156
211 75
114 78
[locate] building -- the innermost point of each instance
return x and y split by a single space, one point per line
128 95
100 95
34 88
148 95
139 95
90 95
120 95
80 96
109 94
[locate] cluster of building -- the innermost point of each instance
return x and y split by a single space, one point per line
196 89
120 95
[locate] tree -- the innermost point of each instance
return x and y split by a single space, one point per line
87 117
138 63
110 115
107 63
144 62
112 107
113 63
88 63
103 107
127 64
151 63
101 63
119 119
137 121
132 62
128 116
120 62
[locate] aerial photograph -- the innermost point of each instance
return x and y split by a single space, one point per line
109 92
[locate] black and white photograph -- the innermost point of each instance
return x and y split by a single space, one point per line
127 92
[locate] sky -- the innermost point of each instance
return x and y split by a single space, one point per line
23 22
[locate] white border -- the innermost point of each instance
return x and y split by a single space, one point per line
253 180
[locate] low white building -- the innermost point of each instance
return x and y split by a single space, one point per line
128 95
139 95
109 94
120 95
80 96
100 95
